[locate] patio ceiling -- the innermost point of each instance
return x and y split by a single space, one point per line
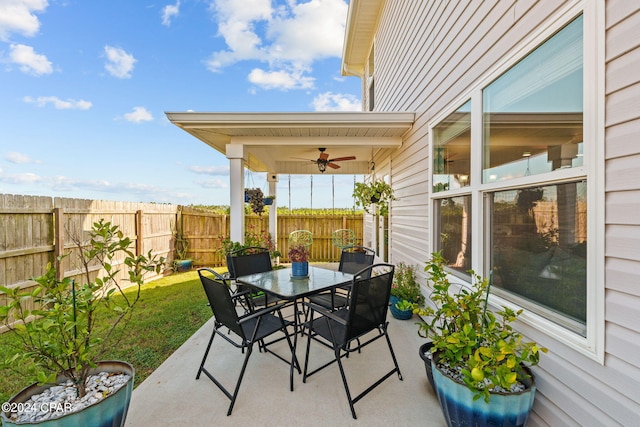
285 143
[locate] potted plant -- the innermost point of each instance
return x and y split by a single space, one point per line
252 238
66 335
375 192
255 198
405 292
181 261
299 257
479 360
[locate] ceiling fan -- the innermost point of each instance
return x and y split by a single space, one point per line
323 160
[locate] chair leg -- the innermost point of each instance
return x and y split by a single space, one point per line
393 355
244 367
344 381
309 328
206 353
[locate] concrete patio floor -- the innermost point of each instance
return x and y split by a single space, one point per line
172 396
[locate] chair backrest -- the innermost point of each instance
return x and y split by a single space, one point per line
249 261
219 296
302 237
369 300
343 238
355 258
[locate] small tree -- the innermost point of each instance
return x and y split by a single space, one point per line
69 335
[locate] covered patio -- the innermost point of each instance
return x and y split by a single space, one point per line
289 143
172 396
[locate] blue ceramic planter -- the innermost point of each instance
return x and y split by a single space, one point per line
183 264
459 408
396 312
425 355
111 411
299 269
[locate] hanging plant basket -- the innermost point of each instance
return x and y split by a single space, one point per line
375 192
255 198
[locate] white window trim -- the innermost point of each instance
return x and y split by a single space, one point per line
592 345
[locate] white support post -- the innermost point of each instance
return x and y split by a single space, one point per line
272 178
235 154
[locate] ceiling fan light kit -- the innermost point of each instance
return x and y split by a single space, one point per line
323 160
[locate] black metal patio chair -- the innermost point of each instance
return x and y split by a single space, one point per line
364 319
247 261
352 260
251 328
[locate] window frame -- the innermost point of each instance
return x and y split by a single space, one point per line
592 345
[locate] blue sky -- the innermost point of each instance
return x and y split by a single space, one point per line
84 85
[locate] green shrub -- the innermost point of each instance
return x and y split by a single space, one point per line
405 285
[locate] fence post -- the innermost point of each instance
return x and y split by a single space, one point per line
139 234
58 241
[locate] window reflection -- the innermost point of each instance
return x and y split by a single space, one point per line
452 150
538 240
533 113
454 232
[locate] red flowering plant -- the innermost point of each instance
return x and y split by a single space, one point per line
252 238
298 253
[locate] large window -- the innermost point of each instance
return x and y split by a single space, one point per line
519 169
538 249
454 232
533 113
452 150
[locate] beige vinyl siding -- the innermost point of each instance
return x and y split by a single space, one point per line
429 55
622 186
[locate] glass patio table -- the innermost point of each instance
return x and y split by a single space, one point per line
283 285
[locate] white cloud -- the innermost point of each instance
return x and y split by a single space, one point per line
17 16
281 79
64 184
20 178
290 37
19 158
313 30
213 183
59 104
138 115
210 170
169 11
29 61
330 101
119 63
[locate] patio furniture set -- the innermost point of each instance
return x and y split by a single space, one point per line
343 310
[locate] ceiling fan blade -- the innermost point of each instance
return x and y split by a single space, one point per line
323 156
339 159
333 165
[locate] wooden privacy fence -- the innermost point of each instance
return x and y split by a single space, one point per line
204 231
35 230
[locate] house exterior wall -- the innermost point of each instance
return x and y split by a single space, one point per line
427 57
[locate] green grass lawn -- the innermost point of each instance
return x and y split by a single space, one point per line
169 311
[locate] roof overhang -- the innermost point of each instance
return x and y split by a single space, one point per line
287 143
362 20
